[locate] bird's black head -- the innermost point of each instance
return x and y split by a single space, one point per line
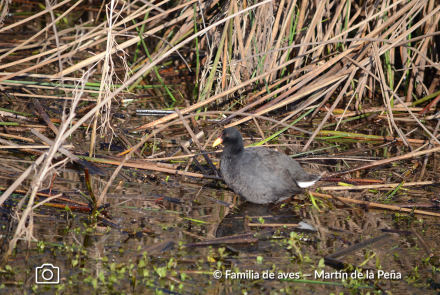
232 140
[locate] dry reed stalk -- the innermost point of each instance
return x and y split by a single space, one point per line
171 116
106 79
316 72
48 9
374 186
329 112
387 98
132 41
42 31
45 160
377 205
91 43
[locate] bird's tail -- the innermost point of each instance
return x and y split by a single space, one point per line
308 180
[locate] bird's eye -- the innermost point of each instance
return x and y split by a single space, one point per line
226 135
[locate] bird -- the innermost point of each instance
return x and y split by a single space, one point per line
258 174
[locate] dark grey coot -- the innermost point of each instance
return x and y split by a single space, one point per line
258 174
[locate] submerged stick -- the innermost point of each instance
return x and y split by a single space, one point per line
358 246
383 162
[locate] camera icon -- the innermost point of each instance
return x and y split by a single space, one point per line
47 274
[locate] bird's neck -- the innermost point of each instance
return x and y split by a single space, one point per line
234 150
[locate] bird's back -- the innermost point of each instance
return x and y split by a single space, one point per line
262 175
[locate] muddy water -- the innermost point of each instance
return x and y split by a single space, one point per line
164 231
152 247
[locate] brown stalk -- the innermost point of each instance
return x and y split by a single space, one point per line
150 32
44 115
196 141
271 59
327 65
231 240
311 100
301 17
377 205
375 186
128 143
252 32
425 161
424 244
43 30
335 17
358 246
240 41
306 91
225 61
310 30
329 112
434 83
387 98
424 49
273 225
383 162
97 57
32 17
279 90
397 97
89 35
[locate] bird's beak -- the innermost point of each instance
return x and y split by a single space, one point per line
217 142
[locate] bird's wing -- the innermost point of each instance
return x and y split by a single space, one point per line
267 170
281 166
